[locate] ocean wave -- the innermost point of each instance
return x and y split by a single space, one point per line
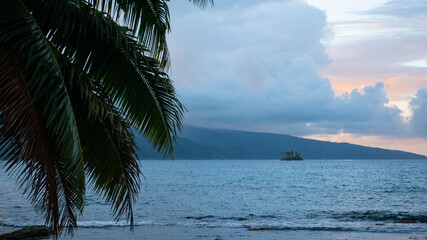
236 218
301 228
18 224
282 226
312 226
83 224
104 224
201 217
251 226
383 216
325 221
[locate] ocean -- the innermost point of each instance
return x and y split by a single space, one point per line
208 199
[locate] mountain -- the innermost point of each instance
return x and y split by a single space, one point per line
203 143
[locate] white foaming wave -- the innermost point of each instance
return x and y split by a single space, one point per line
84 224
318 226
102 224
19 224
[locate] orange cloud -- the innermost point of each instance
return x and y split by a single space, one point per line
399 87
417 145
405 84
342 84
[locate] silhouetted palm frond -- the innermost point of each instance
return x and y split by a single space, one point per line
73 85
39 136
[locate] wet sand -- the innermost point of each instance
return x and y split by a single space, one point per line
204 233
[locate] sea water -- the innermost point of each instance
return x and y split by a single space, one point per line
312 195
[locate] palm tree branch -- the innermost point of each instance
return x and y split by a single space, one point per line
149 19
202 3
30 152
135 81
22 36
107 140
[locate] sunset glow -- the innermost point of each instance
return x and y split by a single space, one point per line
339 71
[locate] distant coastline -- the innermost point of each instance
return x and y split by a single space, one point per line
205 144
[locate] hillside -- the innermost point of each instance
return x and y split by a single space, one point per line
202 143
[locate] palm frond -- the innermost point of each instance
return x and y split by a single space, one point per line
202 3
68 60
107 141
30 152
110 55
148 19
39 135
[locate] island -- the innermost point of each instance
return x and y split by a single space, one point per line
291 156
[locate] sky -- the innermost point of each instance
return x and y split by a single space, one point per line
342 71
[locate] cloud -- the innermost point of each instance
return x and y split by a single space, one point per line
418 106
392 51
366 112
255 66
293 98
402 8
243 35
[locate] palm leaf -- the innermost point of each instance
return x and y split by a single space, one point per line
202 3
31 153
107 141
149 19
108 53
39 135
115 81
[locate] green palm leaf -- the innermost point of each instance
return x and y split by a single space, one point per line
73 84
202 3
107 141
38 129
136 83
149 19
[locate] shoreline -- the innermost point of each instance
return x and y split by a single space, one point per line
206 233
